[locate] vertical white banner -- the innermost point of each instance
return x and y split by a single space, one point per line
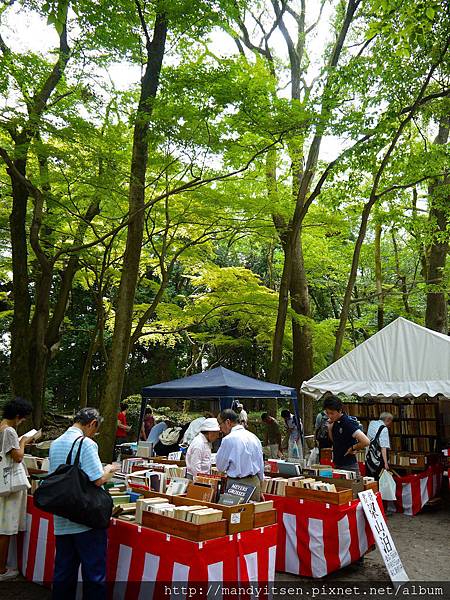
383 537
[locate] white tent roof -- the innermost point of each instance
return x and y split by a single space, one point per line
403 359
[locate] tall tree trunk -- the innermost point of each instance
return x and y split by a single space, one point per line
20 328
436 314
21 377
115 370
400 275
283 302
379 276
372 200
302 350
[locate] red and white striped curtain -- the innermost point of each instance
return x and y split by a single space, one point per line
414 491
138 554
315 539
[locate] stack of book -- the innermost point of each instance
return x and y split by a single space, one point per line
343 474
129 463
196 514
263 506
274 485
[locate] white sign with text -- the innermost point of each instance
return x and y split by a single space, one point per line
383 537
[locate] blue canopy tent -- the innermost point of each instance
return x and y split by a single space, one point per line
219 383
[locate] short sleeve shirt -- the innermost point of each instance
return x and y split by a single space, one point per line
9 440
89 462
121 433
343 438
372 431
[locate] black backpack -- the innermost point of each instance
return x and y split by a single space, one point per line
322 430
374 458
68 492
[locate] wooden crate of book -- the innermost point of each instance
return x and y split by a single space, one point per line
185 529
373 485
343 496
265 518
355 485
239 517
163 460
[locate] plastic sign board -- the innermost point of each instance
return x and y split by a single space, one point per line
383 537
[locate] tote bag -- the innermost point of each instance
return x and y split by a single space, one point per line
13 477
68 492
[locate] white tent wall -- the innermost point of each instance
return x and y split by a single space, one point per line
402 360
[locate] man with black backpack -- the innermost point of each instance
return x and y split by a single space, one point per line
76 543
377 453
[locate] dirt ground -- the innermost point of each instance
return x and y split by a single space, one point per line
423 543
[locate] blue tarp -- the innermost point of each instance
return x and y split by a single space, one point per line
218 383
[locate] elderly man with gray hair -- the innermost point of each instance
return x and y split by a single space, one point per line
383 423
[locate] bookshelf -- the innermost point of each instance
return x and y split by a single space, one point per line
416 427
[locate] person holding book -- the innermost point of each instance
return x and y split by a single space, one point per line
123 428
147 423
382 425
198 456
240 455
13 506
345 435
295 433
78 544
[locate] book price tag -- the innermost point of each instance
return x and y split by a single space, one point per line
235 518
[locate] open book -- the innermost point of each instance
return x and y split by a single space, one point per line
33 433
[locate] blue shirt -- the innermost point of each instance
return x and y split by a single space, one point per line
89 462
372 431
343 438
155 432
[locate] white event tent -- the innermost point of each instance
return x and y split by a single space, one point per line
402 360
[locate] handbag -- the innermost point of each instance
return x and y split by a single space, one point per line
13 477
374 458
69 493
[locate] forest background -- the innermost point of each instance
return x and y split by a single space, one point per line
260 184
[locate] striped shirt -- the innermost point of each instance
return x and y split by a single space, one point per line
89 462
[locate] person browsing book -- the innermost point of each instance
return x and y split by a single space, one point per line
345 434
78 544
13 506
240 455
198 456
382 424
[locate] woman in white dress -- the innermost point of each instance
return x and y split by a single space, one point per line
13 506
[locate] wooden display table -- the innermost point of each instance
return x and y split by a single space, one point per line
315 539
138 554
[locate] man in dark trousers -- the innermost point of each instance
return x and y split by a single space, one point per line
345 435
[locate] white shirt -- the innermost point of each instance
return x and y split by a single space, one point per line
240 454
243 417
198 456
192 430
374 426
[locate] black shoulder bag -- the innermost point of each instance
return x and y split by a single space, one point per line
68 492
374 458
